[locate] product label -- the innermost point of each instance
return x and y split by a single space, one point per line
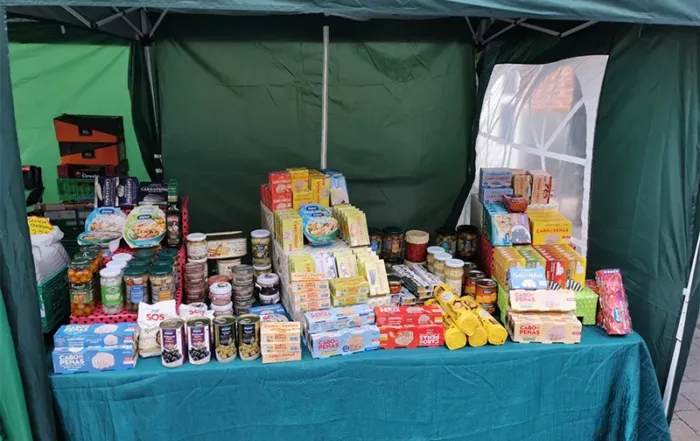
136 294
111 295
247 334
81 293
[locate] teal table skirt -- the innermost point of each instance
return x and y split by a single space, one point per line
601 389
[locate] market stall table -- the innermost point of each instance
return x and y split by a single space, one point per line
601 389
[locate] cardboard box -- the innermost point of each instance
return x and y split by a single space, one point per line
408 315
411 336
542 185
562 327
490 195
586 305
497 224
527 278
575 267
280 183
122 334
310 296
533 259
320 186
348 300
350 286
343 342
288 229
94 359
494 178
267 348
300 179
521 184
281 357
339 318
90 139
549 227
542 300
555 267
301 197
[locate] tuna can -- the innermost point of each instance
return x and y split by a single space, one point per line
248 329
172 342
486 294
198 340
470 284
225 338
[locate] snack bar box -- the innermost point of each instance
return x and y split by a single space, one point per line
90 139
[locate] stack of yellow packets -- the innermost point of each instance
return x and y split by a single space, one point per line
353 225
280 341
349 291
306 292
505 258
288 230
373 269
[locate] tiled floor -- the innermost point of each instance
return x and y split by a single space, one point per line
686 417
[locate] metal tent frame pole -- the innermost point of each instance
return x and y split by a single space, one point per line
324 101
149 70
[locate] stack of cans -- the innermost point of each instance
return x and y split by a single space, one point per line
243 288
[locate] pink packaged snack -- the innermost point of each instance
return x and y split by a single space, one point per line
614 310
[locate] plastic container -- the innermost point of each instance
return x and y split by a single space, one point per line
242 275
430 256
112 291
161 284
226 309
417 246
117 264
147 253
220 293
197 246
136 289
260 270
260 241
170 252
454 275
439 265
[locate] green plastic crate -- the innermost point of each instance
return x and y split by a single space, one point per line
76 189
54 300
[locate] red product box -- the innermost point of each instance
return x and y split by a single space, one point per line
408 315
280 183
411 336
614 310
555 268
265 196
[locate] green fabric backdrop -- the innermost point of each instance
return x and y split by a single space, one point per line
645 164
399 109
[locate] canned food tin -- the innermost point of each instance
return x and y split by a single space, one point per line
486 294
225 338
472 277
248 329
198 342
172 342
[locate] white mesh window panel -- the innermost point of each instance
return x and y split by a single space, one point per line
542 117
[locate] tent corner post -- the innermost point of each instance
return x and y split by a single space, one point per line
324 100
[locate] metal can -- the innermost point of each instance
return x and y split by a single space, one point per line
225 338
467 241
172 342
198 340
248 330
470 285
486 294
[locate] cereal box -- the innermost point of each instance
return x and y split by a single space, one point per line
542 300
490 195
553 327
521 184
408 315
94 359
411 336
339 318
299 179
343 342
280 183
541 187
122 334
495 177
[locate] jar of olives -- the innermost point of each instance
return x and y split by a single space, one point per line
162 283
82 287
136 284
112 291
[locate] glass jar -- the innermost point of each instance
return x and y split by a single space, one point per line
147 253
122 257
220 293
166 260
268 288
118 265
467 242
242 275
395 284
169 252
260 270
416 246
197 246
447 239
112 291
439 265
392 244
375 240
82 287
454 275
136 287
430 258
226 309
260 241
161 284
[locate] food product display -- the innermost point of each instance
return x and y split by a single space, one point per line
198 343
280 341
227 245
144 227
439 265
225 338
197 248
260 247
467 242
248 332
172 342
614 312
393 244
417 246
446 238
454 274
162 284
111 290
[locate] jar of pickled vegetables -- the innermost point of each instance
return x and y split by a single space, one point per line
393 244
447 239
82 287
170 261
430 258
136 287
439 265
112 291
454 274
161 279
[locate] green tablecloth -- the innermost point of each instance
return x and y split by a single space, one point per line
601 389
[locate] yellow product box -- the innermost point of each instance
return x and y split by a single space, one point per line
279 347
281 357
374 272
291 236
521 183
301 197
320 186
349 286
310 305
277 218
533 259
349 300
337 213
542 300
550 227
301 263
575 266
309 277
345 263
300 178
280 332
505 258
535 327
310 296
356 225
309 286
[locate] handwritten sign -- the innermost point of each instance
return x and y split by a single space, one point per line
39 225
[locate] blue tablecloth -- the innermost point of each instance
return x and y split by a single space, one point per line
601 389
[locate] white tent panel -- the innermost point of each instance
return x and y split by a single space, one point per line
542 117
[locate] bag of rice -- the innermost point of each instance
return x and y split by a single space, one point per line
150 317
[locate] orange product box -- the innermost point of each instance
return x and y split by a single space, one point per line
408 315
265 195
411 336
555 266
575 267
542 184
280 183
521 183
280 357
90 139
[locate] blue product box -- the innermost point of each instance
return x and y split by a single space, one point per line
489 195
121 334
344 341
495 178
338 187
527 278
270 311
94 359
339 318
497 225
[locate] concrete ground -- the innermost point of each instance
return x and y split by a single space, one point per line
686 417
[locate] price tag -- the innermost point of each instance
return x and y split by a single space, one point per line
39 225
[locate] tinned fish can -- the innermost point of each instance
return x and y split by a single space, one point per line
248 330
486 294
225 338
470 284
172 342
198 340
